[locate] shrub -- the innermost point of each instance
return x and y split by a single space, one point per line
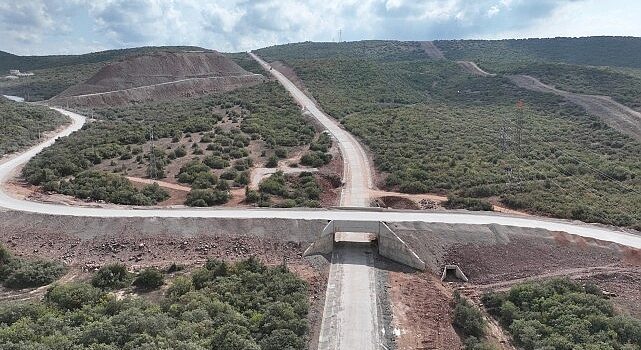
149 278
215 162
179 287
274 184
468 319
315 159
155 193
474 204
31 274
272 162
72 296
112 276
206 197
251 196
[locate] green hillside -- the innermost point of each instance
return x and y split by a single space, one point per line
22 124
434 128
593 51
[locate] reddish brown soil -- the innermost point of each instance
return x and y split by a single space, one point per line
525 256
422 312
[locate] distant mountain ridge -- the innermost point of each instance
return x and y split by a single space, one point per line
593 51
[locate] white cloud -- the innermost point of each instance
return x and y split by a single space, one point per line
56 26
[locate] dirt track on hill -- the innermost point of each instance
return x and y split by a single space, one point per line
473 68
616 115
431 50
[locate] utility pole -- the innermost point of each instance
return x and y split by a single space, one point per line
152 155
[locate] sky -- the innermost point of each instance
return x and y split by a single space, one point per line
41 27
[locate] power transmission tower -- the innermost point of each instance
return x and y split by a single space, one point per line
152 155
519 127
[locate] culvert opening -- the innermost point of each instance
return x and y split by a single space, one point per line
453 273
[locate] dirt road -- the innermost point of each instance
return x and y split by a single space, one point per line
357 174
471 67
432 51
616 115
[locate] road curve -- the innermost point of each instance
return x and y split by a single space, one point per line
8 168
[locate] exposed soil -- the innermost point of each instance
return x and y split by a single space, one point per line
526 256
422 312
616 115
160 75
472 68
431 50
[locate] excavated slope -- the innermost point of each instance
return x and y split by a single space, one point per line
160 75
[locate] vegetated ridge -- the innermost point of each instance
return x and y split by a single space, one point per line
433 127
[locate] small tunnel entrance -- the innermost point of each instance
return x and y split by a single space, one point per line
453 273
355 237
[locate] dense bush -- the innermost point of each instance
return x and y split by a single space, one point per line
112 276
30 274
207 197
103 186
468 319
467 203
302 190
561 314
315 159
22 124
149 278
22 273
248 306
432 127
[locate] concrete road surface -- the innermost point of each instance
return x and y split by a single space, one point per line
350 318
357 174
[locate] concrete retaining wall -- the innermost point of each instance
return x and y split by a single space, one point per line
389 244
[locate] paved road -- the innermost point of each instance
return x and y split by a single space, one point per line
357 175
350 318
351 324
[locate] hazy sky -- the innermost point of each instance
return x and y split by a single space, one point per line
79 26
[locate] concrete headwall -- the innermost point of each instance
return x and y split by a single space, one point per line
389 244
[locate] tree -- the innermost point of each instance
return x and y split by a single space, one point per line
112 276
149 278
73 296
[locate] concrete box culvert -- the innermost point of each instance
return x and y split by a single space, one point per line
455 270
390 245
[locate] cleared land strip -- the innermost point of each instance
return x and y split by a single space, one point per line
350 315
616 115
473 68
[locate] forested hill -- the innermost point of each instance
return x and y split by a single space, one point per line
594 51
11 61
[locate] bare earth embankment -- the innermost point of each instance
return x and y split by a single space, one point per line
158 76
